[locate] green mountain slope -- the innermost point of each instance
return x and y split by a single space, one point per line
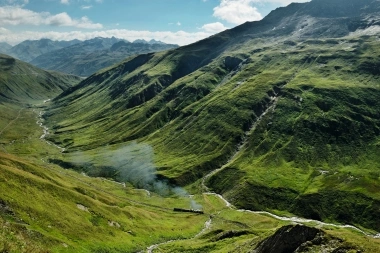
44 208
84 59
71 212
22 82
284 111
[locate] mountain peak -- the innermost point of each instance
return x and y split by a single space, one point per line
140 41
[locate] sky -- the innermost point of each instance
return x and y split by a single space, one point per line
172 21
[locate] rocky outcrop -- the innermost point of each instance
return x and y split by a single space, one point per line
289 239
299 238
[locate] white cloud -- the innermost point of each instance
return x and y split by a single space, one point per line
179 23
3 30
14 2
65 2
15 15
214 27
237 11
179 37
240 11
86 7
282 2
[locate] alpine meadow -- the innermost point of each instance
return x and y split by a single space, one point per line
261 138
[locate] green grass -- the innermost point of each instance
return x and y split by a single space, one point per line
21 82
322 135
177 116
52 221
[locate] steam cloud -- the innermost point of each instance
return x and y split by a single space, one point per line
134 164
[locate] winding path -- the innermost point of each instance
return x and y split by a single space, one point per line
12 121
207 225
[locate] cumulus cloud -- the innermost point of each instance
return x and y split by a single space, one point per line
65 2
240 11
214 27
237 11
16 15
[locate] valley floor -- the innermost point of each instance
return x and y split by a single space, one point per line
45 208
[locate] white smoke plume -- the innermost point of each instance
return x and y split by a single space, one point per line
133 163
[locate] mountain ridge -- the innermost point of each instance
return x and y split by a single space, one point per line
86 58
30 49
22 82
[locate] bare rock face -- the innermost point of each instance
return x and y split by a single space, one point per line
289 239
299 238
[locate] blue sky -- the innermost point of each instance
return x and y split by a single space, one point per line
172 21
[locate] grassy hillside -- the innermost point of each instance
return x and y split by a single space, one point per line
282 121
71 212
317 139
22 82
44 208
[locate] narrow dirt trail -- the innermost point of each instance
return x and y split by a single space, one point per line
206 227
12 121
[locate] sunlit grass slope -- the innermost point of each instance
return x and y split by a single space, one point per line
54 210
44 208
288 106
22 82
320 140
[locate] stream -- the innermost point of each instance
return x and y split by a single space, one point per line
45 129
271 106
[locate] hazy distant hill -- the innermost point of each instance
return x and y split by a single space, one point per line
4 47
87 57
30 49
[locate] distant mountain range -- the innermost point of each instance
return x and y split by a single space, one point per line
30 49
77 57
85 58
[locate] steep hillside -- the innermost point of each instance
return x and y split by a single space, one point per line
30 49
280 114
83 59
22 82
44 208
